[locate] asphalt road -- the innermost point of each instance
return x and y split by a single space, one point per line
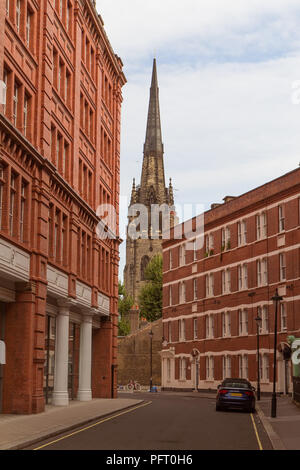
167 421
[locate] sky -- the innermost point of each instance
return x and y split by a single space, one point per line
229 85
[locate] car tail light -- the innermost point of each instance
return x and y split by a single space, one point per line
222 392
250 394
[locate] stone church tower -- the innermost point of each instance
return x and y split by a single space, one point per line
152 190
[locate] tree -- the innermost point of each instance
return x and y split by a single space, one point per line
125 303
150 298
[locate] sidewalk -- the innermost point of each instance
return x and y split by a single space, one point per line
19 431
284 430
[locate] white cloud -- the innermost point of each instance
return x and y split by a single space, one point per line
225 71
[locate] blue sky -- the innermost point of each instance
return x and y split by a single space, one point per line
225 71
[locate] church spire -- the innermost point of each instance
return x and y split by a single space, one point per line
153 142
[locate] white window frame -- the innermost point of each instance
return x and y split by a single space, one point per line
281 218
283 317
282 266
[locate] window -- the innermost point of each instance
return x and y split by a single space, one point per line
258 228
243 322
264 367
225 238
25 115
282 267
262 312
281 218
211 284
18 15
168 369
209 279
226 324
5 80
209 245
283 318
181 255
209 322
258 269
12 204
28 27
182 368
195 290
22 210
2 182
226 367
240 278
243 366
223 282
264 224
242 233
228 280
209 367
182 330
15 104
170 332
182 292
245 276
170 295
195 328
265 271
195 250
7 7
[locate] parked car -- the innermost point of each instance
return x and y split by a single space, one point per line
235 393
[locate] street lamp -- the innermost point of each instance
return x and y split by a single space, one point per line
276 299
151 336
258 320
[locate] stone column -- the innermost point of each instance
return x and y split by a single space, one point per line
60 393
85 359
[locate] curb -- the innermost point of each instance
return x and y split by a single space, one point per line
273 436
22 445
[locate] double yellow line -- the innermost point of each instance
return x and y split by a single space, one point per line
93 425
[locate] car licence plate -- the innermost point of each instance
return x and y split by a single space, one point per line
236 395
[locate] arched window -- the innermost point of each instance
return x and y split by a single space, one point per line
144 263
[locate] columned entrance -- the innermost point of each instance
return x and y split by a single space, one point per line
2 338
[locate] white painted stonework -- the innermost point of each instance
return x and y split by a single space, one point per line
281 240
14 262
103 304
83 294
57 282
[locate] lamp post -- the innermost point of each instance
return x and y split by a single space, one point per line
151 336
258 325
276 299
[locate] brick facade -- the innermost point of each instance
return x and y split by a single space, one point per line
214 290
59 160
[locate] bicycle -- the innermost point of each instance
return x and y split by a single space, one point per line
133 385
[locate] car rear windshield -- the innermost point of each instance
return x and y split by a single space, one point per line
236 385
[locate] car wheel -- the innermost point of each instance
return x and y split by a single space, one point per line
218 408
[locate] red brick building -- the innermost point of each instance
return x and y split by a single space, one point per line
59 160
214 289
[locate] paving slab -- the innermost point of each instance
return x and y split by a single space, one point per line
20 431
284 430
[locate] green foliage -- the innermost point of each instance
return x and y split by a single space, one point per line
125 303
150 298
